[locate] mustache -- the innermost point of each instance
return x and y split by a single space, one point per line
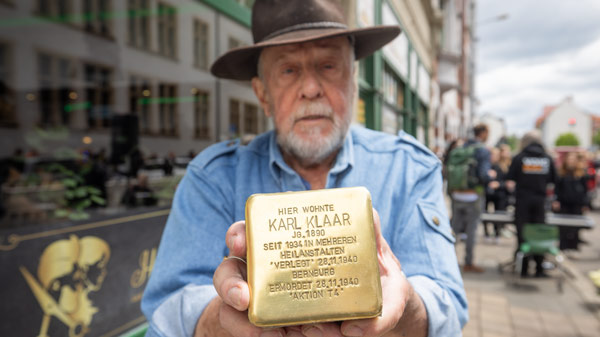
313 110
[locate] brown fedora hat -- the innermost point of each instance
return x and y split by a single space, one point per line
280 22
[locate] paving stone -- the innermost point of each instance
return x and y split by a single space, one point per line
534 308
495 334
532 326
497 328
471 330
586 326
527 333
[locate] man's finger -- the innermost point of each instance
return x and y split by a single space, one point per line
236 239
236 322
377 225
322 330
230 284
393 309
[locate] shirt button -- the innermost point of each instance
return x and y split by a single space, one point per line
436 220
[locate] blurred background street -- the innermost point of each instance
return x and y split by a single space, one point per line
501 305
104 103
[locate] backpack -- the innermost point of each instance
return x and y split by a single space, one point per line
462 168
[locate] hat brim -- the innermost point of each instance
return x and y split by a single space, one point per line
241 63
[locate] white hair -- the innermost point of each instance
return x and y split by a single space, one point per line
533 136
318 148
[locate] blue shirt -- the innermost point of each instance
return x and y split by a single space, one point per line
405 182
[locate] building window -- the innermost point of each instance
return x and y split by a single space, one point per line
201 110
57 95
139 24
393 89
55 9
99 94
243 122
168 109
96 14
8 115
250 119
393 93
167 31
200 44
139 102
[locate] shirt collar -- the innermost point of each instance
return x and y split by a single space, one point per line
343 161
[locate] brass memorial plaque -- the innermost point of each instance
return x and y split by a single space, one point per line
312 257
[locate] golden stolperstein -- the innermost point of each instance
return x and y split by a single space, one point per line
312 257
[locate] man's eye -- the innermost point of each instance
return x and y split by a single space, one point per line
288 71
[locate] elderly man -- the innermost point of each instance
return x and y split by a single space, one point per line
302 71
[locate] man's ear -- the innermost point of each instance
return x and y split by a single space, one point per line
260 91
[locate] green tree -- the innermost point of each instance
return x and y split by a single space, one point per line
596 139
513 142
567 139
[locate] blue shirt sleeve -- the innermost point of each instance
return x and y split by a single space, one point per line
192 246
424 244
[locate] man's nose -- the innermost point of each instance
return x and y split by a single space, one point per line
311 85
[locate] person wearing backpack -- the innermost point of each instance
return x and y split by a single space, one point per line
469 172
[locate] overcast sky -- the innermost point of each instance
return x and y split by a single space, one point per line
545 51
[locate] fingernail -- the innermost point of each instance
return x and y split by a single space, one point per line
312 331
353 331
272 333
234 295
294 334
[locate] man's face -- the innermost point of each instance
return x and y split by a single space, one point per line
308 89
484 136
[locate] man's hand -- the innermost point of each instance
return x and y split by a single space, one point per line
403 311
494 185
229 310
510 185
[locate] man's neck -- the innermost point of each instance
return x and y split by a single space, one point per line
315 174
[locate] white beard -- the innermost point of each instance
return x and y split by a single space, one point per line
317 147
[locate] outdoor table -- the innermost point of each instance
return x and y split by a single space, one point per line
553 219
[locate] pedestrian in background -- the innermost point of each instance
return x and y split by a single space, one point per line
467 180
504 164
571 196
497 193
531 170
451 146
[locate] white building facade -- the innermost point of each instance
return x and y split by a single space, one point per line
76 64
456 68
496 128
566 117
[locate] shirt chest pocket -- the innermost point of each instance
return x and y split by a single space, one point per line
436 220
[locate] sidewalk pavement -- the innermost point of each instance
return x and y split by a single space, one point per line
533 307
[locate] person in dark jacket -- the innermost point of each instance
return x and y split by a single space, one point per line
531 170
571 197
497 194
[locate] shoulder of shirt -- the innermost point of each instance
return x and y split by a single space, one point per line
380 142
228 152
